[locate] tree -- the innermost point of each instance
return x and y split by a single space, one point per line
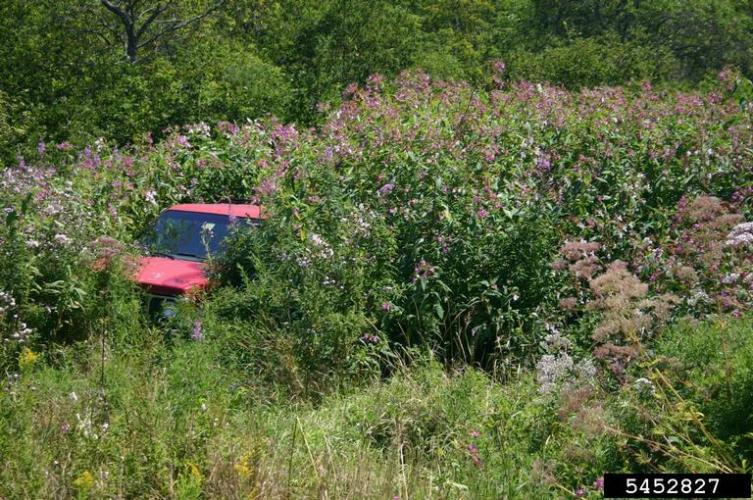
138 24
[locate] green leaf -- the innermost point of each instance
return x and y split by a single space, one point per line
439 310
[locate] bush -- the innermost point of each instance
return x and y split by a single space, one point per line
711 363
599 60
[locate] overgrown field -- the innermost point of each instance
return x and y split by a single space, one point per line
457 294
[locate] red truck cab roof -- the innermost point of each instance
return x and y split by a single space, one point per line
230 209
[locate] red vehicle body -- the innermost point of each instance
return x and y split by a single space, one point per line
182 238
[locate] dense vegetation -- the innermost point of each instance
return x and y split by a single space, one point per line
458 293
75 70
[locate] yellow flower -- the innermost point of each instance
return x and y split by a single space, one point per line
242 469
27 358
194 471
85 481
243 466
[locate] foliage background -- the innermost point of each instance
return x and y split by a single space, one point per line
64 75
501 275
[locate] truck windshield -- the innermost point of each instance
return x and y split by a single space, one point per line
191 235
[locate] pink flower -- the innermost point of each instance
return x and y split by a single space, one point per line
482 213
182 140
474 453
197 333
267 187
375 81
599 483
386 189
62 239
369 339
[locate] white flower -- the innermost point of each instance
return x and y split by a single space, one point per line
325 251
200 128
698 296
555 342
62 239
303 261
151 197
741 234
586 369
552 369
644 386
730 279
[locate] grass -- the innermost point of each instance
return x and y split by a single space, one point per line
172 420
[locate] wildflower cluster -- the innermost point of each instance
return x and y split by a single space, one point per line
443 201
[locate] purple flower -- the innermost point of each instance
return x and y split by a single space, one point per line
375 81
182 140
41 148
473 452
62 239
369 339
386 306
197 333
599 483
386 189
284 133
482 213
423 270
267 187
228 128
543 164
580 492
90 160
64 146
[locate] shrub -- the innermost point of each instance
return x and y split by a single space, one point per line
711 364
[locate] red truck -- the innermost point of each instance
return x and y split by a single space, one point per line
180 243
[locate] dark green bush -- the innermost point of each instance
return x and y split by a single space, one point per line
712 363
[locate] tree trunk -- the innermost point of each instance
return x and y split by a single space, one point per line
132 44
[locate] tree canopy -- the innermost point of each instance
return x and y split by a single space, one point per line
73 70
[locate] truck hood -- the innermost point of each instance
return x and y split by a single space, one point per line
166 276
